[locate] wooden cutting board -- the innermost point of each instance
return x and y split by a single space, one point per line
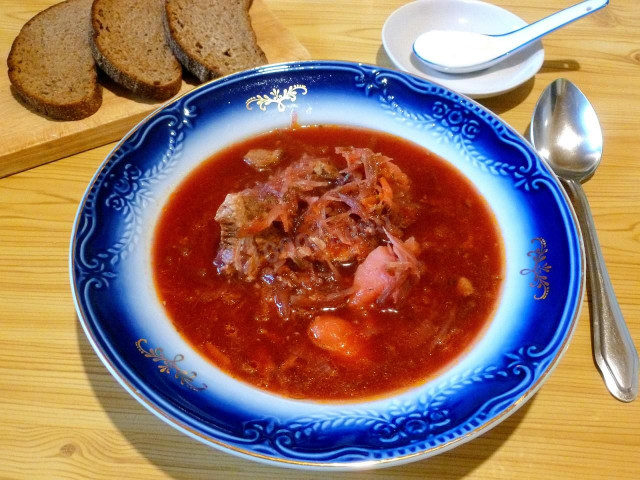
28 139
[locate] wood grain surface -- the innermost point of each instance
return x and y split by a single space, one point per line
63 416
28 139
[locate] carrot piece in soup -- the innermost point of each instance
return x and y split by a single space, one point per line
219 358
464 286
335 335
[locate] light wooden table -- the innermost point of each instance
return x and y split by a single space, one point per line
63 416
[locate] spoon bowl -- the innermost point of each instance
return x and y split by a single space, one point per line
566 133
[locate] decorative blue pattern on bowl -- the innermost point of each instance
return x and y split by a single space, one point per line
121 315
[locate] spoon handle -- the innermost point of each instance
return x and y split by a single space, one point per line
551 23
613 347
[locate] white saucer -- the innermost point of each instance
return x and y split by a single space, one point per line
405 24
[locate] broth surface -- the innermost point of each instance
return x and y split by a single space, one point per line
398 344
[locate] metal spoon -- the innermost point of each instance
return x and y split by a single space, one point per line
566 133
456 51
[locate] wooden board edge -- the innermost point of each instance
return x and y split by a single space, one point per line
52 150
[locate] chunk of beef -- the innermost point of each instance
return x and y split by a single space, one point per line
238 253
263 159
311 220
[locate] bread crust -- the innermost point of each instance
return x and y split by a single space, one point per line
119 74
183 53
59 110
62 111
201 72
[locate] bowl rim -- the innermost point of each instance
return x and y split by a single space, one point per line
151 406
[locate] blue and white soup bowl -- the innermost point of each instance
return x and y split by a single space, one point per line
116 301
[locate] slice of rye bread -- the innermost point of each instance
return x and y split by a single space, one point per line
129 45
50 63
212 37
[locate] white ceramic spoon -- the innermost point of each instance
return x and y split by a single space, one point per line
454 51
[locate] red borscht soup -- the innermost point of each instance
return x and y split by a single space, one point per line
328 262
